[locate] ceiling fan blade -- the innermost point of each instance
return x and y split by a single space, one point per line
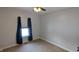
38 9
43 9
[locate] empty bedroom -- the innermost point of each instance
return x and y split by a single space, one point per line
39 29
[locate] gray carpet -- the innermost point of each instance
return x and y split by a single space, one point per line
35 46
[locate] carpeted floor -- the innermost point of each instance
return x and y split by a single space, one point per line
35 46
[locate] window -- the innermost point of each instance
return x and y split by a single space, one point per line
25 32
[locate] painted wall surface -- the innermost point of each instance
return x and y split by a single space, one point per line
8 25
61 28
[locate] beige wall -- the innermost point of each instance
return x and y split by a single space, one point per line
61 28
8 24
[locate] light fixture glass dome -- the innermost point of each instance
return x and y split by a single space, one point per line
37 9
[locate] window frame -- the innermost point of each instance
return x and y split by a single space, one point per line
28 32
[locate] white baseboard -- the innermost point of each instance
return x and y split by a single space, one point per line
1 49
36 39
57 45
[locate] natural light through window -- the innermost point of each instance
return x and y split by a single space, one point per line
25 32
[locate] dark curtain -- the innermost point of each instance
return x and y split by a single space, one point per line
30 37
18 34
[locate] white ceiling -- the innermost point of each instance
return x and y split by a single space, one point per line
48 9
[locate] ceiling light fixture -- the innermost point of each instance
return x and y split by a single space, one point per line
38 9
